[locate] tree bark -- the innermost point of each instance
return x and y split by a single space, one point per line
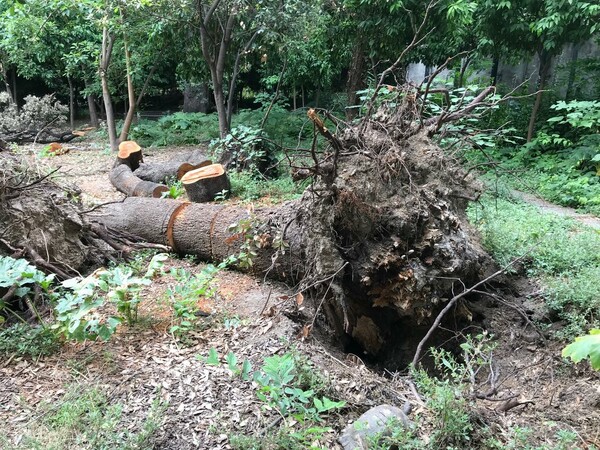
106 53
494 71
130 154
130 94
14 88
572 71
355 77
122 178
71 103
92 108
544 72
176 167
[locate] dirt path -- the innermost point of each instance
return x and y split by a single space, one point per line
587 219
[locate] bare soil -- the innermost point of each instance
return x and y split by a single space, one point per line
252 319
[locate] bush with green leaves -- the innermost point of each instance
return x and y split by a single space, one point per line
176 129
561 163
250 149
78 306
22 339
23 278
585 347
289 385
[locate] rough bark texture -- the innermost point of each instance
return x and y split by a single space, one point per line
203 230
204 184
176 166
126 182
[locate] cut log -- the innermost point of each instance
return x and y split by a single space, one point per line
202 185
204 230
126 182
175 167
130 154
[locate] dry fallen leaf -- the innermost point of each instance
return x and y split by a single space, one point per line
299 298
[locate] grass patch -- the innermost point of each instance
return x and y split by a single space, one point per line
249 187
562 254
85 419
26 340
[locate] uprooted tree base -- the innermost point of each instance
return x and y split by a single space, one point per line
379 241
43 222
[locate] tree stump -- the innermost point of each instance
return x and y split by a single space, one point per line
202 185
130 154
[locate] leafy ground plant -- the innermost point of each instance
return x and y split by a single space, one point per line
185 294
585 347
283 385
78 305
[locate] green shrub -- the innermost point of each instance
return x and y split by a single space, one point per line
176 129
247 187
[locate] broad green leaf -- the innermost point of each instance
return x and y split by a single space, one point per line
585 347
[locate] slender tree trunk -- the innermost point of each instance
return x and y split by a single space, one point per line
71 103
294 96
107 45
302 96
317 96
221 108
494 72
91 107
572 71
545 64
130 95
464 65
14 88
355 77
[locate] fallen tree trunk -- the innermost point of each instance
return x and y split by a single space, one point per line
40 136
126 182
380 240
177 166
204 184
204 230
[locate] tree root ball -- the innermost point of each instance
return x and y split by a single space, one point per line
380 244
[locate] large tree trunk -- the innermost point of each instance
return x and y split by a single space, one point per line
494 71
572 71
175 167
130 95
544 73
379 243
